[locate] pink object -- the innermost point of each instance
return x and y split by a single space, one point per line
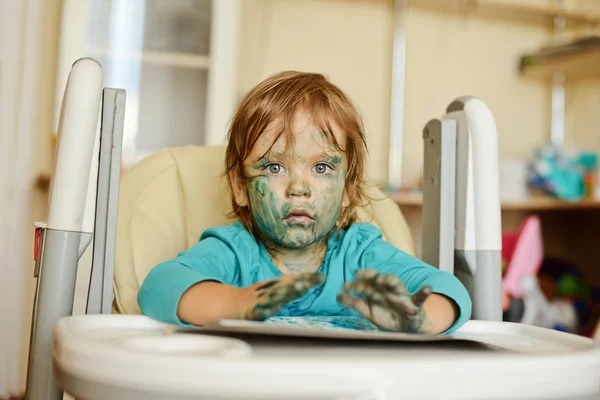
524 251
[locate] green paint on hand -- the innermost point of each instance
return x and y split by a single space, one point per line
384 300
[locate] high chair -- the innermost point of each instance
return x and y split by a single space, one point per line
168 199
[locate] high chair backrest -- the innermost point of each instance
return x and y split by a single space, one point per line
168 199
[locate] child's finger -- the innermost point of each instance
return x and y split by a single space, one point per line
313 279
381 282
365 274
386 291
293 292
305 282
357 304
262 312
387 310
264 286
284 292
419 298
401 304
369 296
273 300
391 283
369 292
273 295
299 281
359 286
378 315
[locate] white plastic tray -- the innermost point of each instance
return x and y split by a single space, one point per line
305 331
133 357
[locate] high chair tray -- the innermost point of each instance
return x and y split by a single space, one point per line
133 357
327 328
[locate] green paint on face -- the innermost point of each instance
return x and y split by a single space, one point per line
270 207
260 187
336 160
296 186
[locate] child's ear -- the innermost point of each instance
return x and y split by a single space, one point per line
239 191
345 199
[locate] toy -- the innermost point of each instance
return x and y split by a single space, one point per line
523 253
567 177
557 314
523 300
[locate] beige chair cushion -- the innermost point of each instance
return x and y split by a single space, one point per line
168 199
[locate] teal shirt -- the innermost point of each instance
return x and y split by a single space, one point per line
230 255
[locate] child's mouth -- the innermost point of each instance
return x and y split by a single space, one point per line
300 217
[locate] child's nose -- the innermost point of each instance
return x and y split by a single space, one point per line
298 187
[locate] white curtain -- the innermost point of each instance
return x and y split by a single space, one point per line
20 36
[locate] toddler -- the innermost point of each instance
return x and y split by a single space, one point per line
295 160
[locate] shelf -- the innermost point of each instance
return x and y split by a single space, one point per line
575 64
574 10
529 11
544 203
174 59
415 199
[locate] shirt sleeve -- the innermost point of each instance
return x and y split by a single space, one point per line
211 259
416 274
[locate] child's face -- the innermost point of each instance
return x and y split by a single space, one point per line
295 194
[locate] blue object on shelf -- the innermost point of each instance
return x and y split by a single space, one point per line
559 175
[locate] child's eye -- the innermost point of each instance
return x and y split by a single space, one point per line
274 168
321 168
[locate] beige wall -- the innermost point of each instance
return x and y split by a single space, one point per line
449 54
582 103
348 40
582 124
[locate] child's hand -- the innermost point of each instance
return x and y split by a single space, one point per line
265 299
384 300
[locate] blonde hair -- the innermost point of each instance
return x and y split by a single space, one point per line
279 96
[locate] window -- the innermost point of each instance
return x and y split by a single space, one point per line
177 60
